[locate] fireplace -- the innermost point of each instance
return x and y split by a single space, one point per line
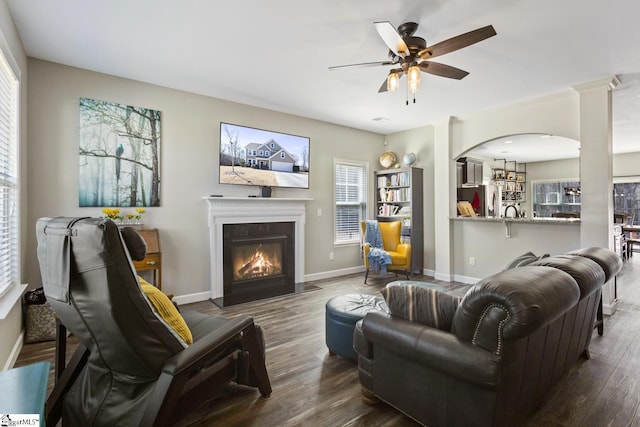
225 211
258 261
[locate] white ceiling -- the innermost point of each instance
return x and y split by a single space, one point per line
275 54
527 148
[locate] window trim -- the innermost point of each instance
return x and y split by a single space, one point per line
367 182
10 295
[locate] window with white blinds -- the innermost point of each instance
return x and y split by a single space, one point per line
350 179
9 243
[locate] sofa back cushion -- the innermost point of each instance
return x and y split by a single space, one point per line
524 259
609 261
587 273
512 304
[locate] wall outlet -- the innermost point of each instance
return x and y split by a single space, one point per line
331 256
472 260
319 212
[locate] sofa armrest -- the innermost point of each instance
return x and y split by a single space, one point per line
202 350
434 348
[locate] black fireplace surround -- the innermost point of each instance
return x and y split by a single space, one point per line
258 261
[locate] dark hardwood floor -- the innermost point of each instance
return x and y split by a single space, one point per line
311 388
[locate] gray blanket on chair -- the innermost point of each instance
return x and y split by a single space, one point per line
378 257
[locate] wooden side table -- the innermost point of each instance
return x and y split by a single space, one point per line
153 260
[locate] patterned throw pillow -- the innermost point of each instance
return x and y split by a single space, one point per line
429 307
524 259
165 308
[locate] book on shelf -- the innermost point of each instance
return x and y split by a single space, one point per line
388 210
401 179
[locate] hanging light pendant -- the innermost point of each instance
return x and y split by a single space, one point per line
413 75
393 81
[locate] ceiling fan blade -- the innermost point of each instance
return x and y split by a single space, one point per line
457 42
442 70
383 88
391 38
362 64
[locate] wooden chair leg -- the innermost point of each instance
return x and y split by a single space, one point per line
366 274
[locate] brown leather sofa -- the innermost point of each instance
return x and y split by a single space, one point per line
513 336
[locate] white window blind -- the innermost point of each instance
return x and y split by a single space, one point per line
351 200
9 244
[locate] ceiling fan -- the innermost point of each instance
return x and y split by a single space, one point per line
411 55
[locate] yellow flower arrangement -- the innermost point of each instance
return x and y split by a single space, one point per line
112 213
139 213
131 217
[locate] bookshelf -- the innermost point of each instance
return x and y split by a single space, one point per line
399 198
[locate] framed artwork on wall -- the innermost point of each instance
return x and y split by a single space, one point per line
119 155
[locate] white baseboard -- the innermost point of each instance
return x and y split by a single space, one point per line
189 298
333 273
443 277
465 279
429 273
15 352
609 309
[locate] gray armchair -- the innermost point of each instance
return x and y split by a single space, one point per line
131 368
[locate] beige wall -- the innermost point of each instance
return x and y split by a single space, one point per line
11 325
189 167
556 114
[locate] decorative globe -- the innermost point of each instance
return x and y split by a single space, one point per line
409 159
388 159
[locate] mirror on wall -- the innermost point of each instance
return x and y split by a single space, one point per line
511 164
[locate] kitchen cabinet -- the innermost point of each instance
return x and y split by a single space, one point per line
471 171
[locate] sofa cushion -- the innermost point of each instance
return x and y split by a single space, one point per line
165 309
429 307
586 272
524 259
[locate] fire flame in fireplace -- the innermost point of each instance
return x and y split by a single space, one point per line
259 264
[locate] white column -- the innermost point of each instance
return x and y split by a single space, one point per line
444 193
596 171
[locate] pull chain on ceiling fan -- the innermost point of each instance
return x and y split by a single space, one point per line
411 55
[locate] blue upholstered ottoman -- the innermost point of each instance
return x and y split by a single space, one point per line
342 314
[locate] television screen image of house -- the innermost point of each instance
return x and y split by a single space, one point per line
250 156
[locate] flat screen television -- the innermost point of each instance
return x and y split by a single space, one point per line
263 158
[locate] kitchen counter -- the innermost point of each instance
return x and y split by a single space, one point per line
563 221
509 221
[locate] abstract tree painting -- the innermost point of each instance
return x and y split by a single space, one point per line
119 155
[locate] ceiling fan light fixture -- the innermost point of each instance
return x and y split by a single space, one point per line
392 81
413 75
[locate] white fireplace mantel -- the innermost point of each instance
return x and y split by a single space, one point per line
240 210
